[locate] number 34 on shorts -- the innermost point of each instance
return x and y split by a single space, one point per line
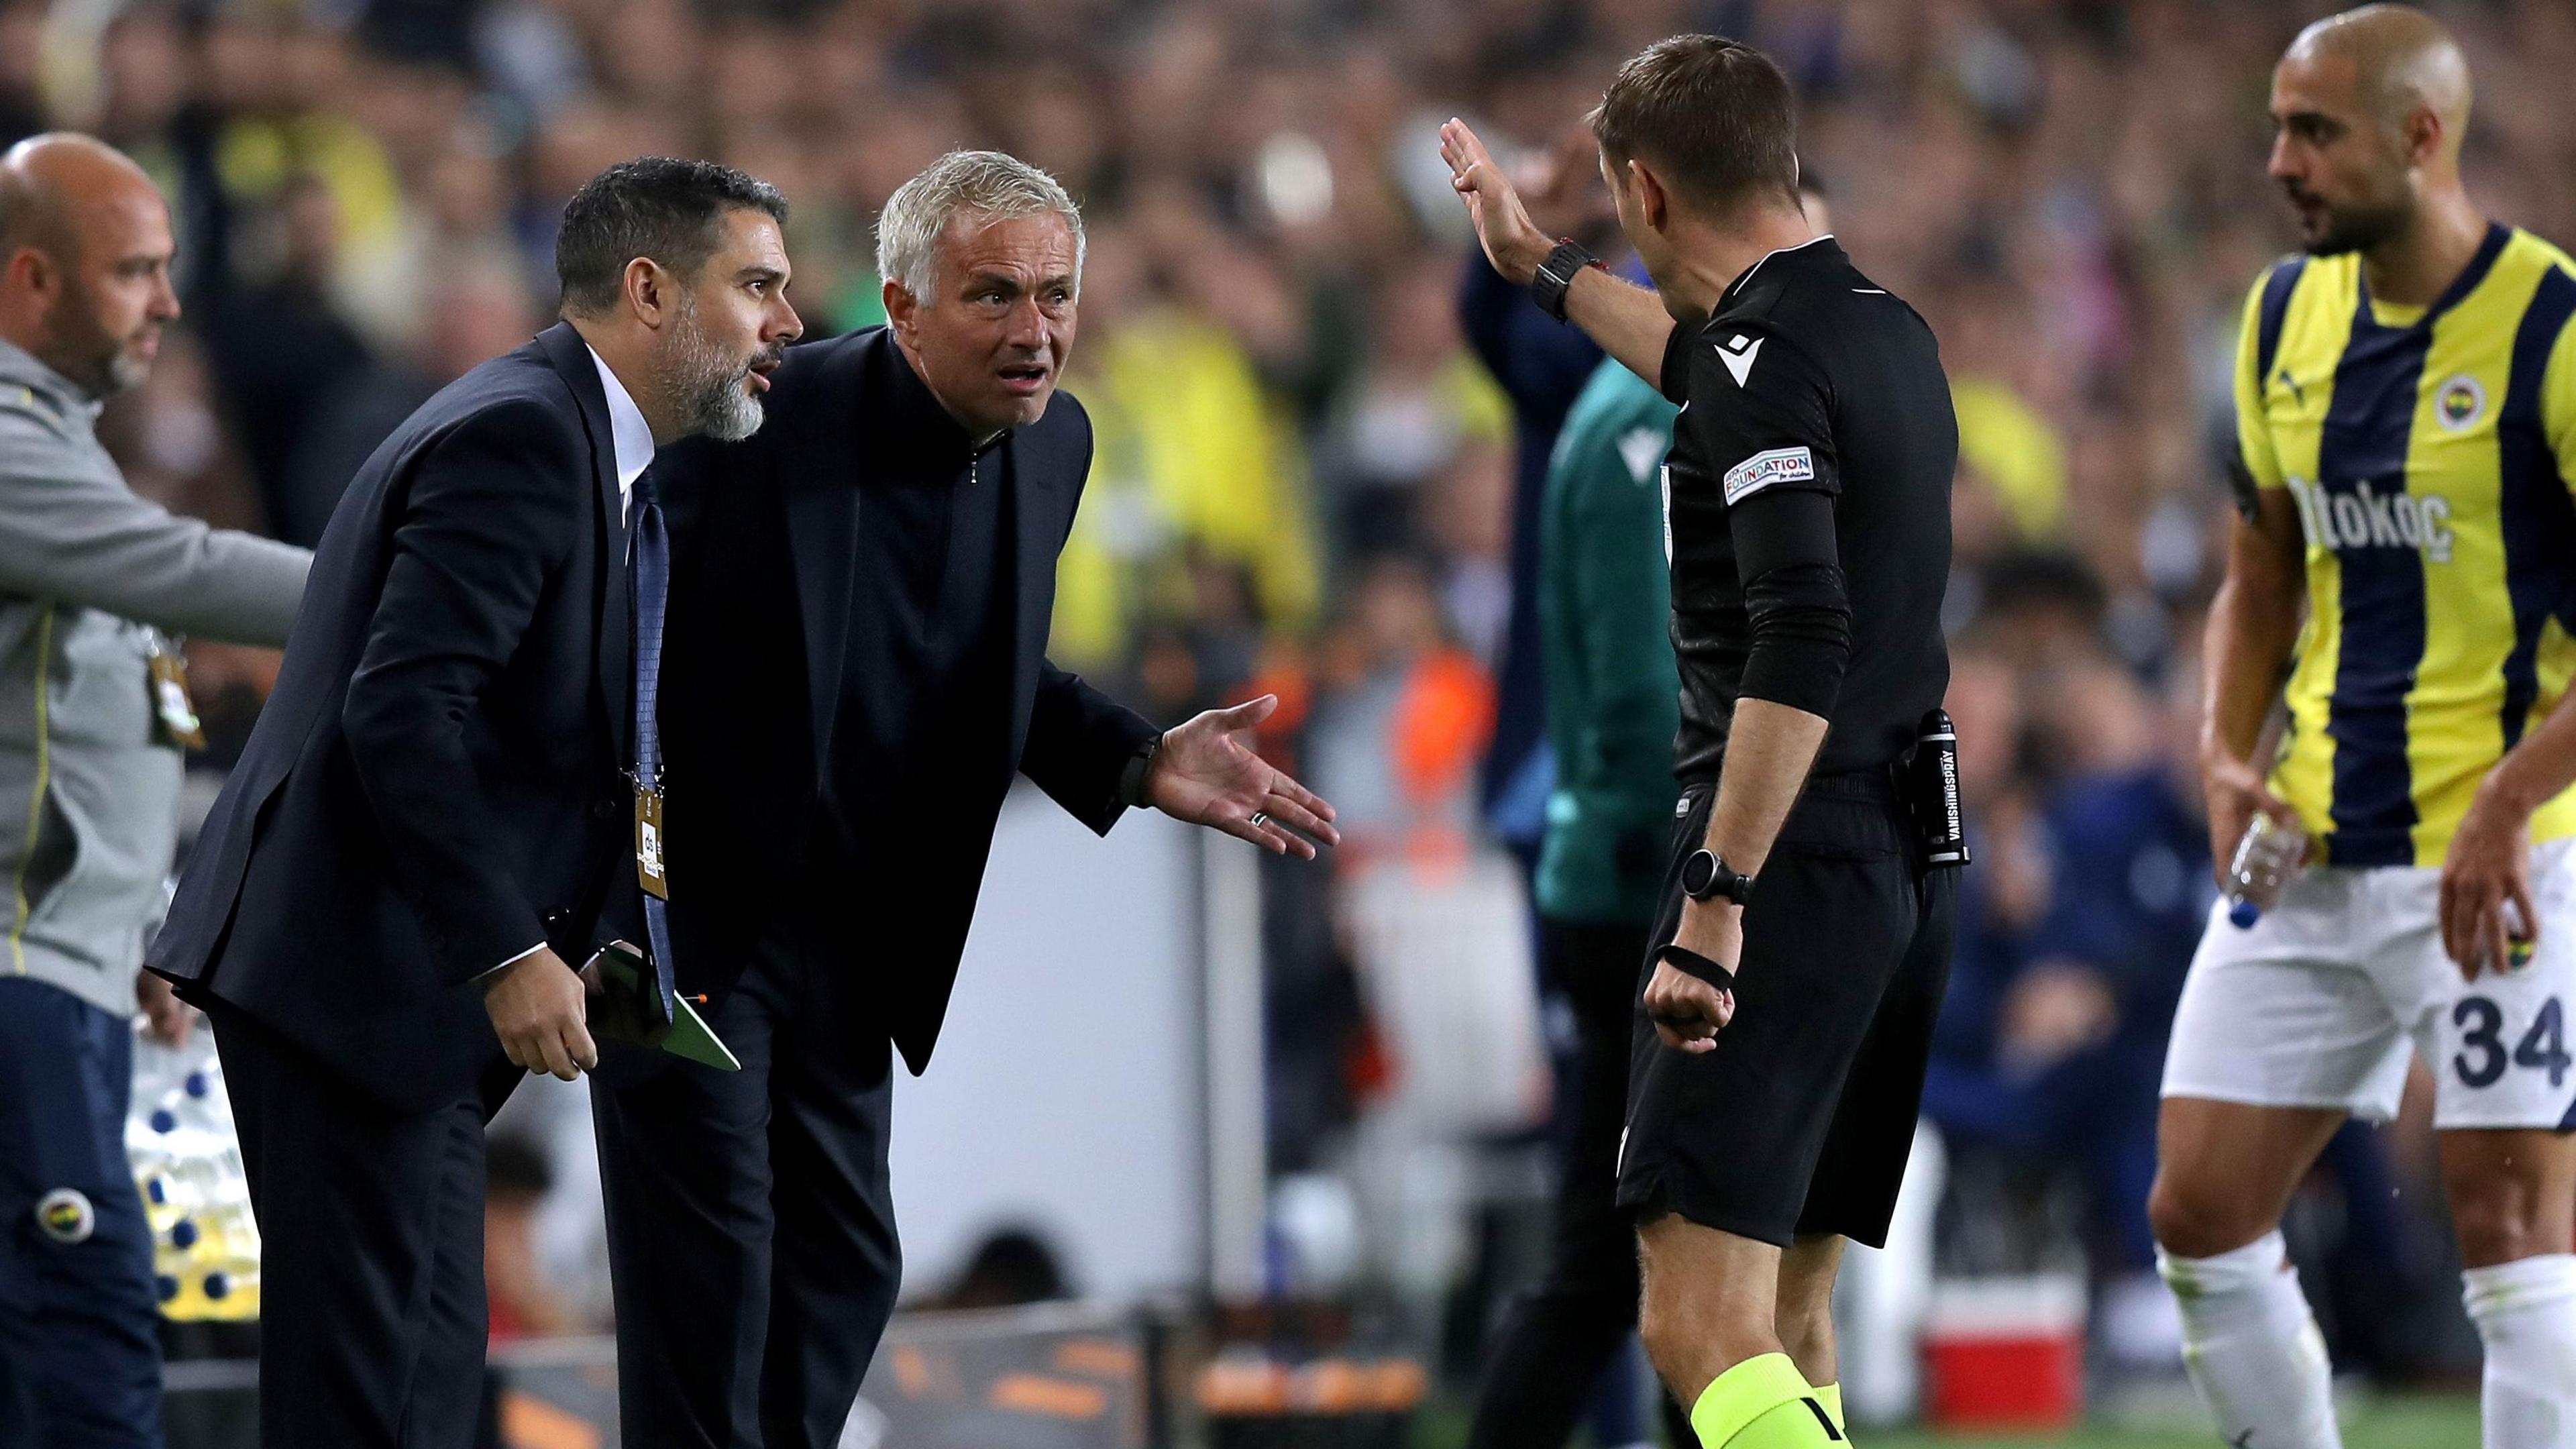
2324 1000
2482 1059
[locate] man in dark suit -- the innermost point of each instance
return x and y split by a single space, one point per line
429 820
859 669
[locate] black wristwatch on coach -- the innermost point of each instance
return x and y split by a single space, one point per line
1556 274
1705 877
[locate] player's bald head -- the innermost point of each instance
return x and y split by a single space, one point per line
2397 58
2369 107
57 188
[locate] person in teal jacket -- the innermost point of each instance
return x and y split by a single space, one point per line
1613 691
1613 709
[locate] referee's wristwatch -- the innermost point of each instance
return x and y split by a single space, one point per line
1556 275
1705 876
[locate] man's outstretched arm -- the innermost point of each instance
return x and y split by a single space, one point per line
1627 320
1081 742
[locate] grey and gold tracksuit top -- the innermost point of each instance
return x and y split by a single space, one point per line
92 577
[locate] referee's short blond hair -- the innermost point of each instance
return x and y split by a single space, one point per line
984 184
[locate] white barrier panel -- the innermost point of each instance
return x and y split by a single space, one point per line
1065 1095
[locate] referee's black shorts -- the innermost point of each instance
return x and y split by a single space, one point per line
1799 1121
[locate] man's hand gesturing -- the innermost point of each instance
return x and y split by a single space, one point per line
1512 242
539 1009
1206 776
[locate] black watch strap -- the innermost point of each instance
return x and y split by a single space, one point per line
1556 274
1693 963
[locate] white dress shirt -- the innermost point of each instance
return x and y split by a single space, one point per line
629 438
631 441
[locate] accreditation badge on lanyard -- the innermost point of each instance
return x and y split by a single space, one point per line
174 715
648 838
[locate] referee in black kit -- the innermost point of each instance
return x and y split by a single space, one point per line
1807 519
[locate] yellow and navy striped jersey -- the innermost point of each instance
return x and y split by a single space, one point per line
2431 452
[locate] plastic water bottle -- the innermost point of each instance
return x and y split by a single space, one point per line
2266 858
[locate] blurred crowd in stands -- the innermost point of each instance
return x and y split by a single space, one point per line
1306 475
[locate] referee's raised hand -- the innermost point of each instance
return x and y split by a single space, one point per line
1512 242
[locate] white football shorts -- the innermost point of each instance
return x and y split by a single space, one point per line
2318 1003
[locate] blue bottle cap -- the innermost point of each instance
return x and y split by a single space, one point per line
163 1120
2244 914
183 1234
217 1285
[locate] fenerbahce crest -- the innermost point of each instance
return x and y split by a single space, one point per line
2460 403
2365 518
66 1216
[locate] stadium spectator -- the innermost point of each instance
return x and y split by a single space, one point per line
1399 734
1541 367
517 1178
2053 1036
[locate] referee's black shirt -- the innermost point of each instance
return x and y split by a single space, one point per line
1807 509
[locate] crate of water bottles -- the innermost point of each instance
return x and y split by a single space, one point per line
186 1155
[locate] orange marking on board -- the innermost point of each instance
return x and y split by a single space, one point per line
911 1371
1096 1356
1053 1398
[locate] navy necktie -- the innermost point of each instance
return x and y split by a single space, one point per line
651 556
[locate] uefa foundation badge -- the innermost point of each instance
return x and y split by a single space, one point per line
66 1215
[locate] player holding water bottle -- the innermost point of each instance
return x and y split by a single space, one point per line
2405 874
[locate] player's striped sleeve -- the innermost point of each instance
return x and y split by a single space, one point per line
2262 468
2558 402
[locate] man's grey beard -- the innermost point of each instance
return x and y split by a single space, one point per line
125 372
115 366
706 386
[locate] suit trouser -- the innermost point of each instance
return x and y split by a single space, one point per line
1561 1334
372 1314
80 1366
751 1232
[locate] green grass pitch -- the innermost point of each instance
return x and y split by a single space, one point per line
2395 1424
2410 1423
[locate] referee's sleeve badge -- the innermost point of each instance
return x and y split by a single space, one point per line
1776 465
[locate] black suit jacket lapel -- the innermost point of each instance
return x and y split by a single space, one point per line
823 532
1036 530
614 662
820 507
